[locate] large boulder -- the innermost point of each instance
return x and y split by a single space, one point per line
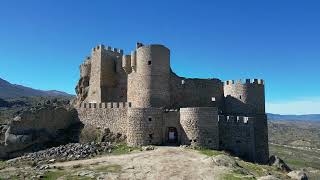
279 163
37 127
299 175
224 160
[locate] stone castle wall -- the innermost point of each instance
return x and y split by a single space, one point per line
201 126
261 139
246 137
196 92
237 135
111 115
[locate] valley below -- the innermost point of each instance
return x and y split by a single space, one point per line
297 143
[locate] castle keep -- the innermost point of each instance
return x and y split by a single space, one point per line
138 95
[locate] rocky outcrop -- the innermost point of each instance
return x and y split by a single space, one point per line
279 163
37 128
224 160
82 87
299 175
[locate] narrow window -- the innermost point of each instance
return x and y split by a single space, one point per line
150 119
149 62
150 136
240 97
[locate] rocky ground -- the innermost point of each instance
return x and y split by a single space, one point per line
122 162
69 152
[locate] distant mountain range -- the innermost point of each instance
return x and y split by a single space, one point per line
305 117
8 90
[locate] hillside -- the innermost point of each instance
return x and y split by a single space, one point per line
304 134
8 90
297 143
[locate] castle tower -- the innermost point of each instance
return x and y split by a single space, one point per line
201 126
244 98
248 98
144 126
103 69
148 76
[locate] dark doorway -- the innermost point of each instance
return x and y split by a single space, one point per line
172 135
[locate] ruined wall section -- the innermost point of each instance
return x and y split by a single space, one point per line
85 68
244 98
144 126
82 87
107 76
201 126
148 83
187 92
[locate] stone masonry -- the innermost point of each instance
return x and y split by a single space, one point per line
138 95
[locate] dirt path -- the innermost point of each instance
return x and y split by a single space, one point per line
161 163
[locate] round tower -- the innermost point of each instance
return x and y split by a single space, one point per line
148 83
144 126
244 98
201 126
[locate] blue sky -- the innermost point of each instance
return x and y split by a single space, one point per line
42 43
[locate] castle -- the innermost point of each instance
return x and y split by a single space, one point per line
138 95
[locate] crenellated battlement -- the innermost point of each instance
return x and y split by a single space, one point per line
244 82
235 119
107 105
108 49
